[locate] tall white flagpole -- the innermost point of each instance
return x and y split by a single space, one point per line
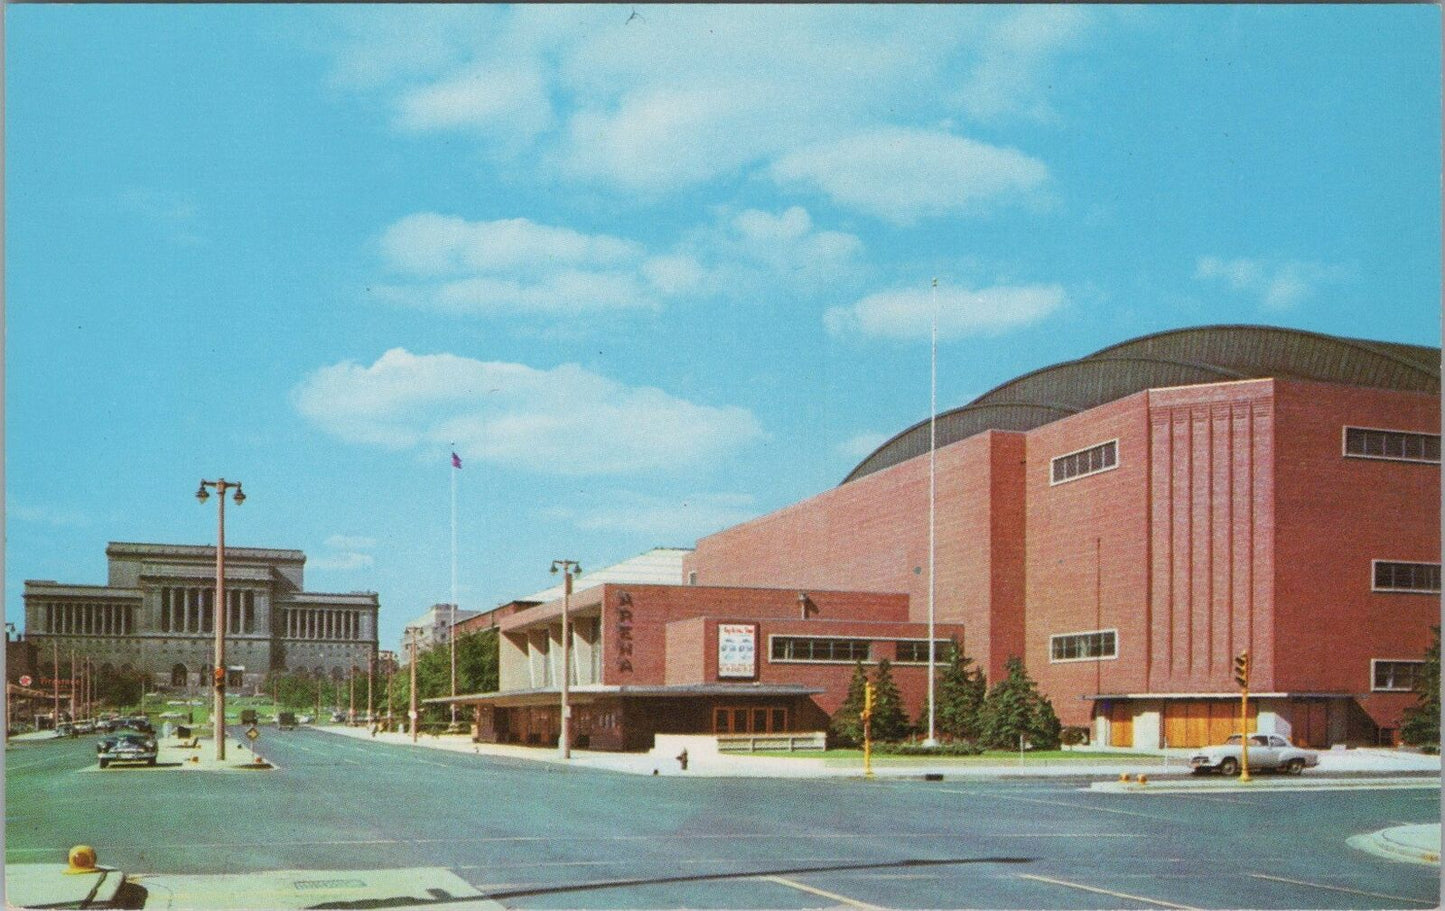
932 739
451 626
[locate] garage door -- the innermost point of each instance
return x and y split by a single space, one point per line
1201 722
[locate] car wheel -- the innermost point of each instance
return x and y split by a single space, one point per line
1229 766
1199 771
104 763
151 761
1295 766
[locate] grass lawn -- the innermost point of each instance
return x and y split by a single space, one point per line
991 757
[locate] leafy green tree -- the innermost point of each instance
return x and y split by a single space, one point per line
1422 720
961 691
477 662
890 721
846 726
1014 708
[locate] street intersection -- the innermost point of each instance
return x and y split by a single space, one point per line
525 834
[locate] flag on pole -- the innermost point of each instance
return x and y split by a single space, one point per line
456 461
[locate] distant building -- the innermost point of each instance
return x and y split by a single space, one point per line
658 566
155 615
433 628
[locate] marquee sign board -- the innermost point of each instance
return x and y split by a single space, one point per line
737 650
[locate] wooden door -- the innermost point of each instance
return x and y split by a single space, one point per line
1121 724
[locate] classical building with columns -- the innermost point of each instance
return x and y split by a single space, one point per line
156 615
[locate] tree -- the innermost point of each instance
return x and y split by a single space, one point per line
890 722
477 663
1015 708
1422 720
961 693
846 726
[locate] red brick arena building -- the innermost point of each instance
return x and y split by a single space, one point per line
1127 523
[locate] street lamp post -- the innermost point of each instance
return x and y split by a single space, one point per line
218 720
569 569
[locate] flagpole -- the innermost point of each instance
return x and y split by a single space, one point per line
932 740
451 627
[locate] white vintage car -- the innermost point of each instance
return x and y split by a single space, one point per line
1266 751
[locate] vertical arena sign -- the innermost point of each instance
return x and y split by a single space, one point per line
737 650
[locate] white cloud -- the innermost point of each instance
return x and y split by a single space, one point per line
566 421
682 519
862 445
1017 53
343 561
430 244
902 174
907 313
1278 285
350 542
515 266
480 98
684 95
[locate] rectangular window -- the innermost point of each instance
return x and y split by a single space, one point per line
915 651
1085 462
1406 577
1398 445
1395 675
1084 646
807 648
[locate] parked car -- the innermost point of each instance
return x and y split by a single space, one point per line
127 746
1266 751
286 721
65 729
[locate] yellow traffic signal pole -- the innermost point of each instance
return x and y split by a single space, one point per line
1241 676
867 716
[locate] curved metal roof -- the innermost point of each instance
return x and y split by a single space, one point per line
1179 357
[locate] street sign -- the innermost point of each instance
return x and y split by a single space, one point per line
25 680
252 733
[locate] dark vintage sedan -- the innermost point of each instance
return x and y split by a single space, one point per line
127 746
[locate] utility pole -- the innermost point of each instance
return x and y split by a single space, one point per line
72 685
412 712
55 679
370 670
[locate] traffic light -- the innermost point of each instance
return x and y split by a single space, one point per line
220 676
1241 668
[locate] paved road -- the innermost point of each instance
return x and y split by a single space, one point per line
539 836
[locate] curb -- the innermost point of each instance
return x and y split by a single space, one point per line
1413 844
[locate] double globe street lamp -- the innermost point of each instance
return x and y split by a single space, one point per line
218 717
569 570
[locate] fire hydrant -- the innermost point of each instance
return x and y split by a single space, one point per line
682 759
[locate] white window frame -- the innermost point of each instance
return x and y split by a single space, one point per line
1391 689
1087 632
1401 591
1345 445
1086 474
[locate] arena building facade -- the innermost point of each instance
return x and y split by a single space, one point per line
1130 521
155 615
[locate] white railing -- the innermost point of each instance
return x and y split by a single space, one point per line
752 743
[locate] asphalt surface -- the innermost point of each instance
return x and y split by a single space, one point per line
543 836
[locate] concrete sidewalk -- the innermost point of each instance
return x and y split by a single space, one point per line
661 761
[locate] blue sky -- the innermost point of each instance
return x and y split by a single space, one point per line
651 275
